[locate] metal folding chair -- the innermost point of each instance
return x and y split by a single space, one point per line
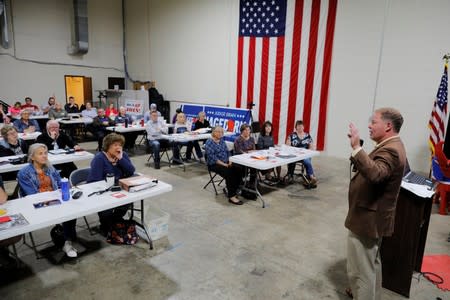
80 176
213 181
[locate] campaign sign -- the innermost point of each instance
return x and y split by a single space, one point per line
227 117
134 107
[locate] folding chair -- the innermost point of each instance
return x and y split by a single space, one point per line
213 180
33 245
301 172
80 176
165 146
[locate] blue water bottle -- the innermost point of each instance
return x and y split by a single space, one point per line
65 189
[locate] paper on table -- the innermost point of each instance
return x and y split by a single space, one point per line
44 196
418 189
80 153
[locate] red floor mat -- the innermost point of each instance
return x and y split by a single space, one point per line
439 265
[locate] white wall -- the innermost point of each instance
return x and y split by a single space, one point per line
410 72
189 48
193 58
138 39
42 34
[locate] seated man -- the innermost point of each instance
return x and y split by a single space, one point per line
154 129
301 139
50 104
71 107
25 124
55 139
30 106
89 111
99 124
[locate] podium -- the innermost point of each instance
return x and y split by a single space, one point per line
402 253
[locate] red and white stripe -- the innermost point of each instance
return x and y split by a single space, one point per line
287 78
438 118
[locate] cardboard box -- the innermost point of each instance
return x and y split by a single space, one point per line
157 223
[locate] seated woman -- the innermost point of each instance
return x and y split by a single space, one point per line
11 145
25 124
16 109
217 159
301 139
243 144
111 112
181 126
40 176
111 160
265 141
201 121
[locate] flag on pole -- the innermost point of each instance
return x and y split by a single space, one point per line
284 61
439 113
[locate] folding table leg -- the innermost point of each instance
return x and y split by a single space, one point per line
143 226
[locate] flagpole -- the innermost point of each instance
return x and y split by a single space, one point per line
380 54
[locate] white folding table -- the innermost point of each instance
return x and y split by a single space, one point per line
269 159
39 218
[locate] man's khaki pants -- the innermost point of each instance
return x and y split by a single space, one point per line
364 267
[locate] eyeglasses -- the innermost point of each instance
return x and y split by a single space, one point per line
98 192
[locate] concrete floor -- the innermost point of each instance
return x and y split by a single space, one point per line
292 249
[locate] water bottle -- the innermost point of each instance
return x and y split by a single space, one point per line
65 189
126 122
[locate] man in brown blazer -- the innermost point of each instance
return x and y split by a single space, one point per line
373 192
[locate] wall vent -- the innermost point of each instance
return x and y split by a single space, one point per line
80 35
4 33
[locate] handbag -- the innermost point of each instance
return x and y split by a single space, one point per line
123 233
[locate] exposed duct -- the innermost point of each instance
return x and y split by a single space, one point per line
80 35
4 34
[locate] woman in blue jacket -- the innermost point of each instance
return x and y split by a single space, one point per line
40 176
111 160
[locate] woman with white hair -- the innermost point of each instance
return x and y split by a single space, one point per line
147 115
40 176
201 121
25 124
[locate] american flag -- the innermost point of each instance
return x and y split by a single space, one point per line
439 113
284 60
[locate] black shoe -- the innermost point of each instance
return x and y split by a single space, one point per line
176 161
235 203
157 166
